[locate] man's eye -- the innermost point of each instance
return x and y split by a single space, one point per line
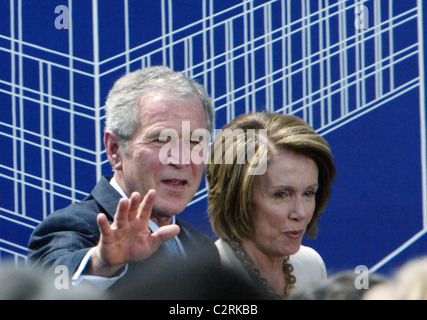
162 139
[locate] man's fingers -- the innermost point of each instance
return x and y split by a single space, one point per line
134 203
104 226
121 216
165 233
144 210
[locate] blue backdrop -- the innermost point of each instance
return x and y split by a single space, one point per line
353 69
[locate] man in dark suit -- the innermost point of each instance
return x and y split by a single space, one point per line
126 224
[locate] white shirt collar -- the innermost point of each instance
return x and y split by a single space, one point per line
119 189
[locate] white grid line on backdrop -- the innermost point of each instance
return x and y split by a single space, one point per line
256 67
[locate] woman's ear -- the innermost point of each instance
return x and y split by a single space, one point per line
112 147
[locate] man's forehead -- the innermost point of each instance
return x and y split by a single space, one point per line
159 114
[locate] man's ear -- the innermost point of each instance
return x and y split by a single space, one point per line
112 146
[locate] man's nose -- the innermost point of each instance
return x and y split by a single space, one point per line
180 154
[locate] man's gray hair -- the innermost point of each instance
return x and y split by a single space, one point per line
122 105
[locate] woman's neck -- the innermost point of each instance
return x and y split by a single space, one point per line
270 267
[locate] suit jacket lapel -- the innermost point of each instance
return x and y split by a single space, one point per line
186 238
106 196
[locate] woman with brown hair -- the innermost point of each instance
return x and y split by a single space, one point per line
262 207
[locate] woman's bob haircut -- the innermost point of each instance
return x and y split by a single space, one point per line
231 184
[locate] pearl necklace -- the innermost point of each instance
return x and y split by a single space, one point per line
260 282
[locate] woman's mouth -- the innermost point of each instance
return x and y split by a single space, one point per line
296 234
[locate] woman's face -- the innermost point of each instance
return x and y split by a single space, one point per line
283 203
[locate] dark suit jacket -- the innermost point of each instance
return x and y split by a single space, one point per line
66 235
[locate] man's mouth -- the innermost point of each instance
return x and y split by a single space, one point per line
177 182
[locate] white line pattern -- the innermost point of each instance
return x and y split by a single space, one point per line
308 60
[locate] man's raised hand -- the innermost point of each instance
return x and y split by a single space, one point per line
128 238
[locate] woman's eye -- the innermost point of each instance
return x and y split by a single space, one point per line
310 193
280 194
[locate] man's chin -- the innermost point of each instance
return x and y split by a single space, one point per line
168 203
168 209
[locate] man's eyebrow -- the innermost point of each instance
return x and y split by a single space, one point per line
155 132
167 131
